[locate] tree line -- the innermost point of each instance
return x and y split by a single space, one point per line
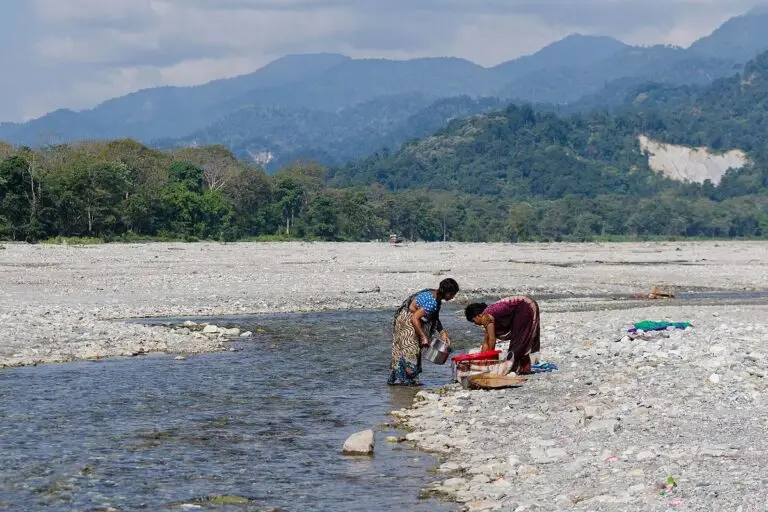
122 190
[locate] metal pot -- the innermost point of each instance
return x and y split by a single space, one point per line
438 351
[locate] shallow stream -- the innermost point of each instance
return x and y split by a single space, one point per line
260 428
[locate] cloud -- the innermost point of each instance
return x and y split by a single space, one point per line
76 53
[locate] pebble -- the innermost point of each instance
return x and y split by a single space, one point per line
604 425
448 467
645 455
455 483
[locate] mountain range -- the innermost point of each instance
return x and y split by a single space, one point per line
335 109
519 153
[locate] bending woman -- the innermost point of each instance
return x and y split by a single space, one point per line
513 319
416 321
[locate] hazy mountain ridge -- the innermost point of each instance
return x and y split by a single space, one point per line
338 108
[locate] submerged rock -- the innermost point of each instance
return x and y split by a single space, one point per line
360 443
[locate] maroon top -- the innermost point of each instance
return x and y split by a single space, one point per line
516 319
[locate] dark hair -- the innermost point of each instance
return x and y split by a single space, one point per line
474 309
448 287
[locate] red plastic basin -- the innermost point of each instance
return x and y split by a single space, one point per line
491 354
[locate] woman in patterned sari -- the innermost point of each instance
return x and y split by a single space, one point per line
513 319
416 321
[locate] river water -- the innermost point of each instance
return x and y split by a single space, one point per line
261 428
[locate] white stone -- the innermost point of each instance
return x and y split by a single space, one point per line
455 483
604 425
448 467
483 505
210 329
590 411
360 443
717 350
645 455
556 453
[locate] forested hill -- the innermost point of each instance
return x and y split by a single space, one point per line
516 153
521 153
274 135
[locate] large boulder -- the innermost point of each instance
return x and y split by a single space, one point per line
359 444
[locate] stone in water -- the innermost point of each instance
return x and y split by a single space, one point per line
360 443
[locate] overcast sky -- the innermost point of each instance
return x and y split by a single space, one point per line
76 53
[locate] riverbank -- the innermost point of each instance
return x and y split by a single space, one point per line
61 303
675 422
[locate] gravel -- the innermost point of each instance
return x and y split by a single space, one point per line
616 422
672 421
59 303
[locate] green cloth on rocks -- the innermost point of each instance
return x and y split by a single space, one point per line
651 325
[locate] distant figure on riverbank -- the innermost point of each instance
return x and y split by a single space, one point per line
416 321
514 319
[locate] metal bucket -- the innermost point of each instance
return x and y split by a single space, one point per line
437 352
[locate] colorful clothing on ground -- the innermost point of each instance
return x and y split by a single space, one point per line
516 319
406 346
652 325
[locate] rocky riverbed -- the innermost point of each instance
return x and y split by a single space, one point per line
59 303
676 421
672 422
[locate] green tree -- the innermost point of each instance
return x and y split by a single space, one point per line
323 217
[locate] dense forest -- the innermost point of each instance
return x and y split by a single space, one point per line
121 190
507 175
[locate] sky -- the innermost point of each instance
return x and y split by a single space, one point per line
77 53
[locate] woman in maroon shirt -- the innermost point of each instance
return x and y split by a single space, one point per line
513 319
